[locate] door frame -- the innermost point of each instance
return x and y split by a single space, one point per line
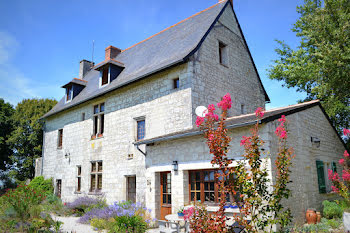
164 208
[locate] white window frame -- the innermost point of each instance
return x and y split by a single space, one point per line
109 77
71 95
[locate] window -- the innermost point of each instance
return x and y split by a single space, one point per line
105 76
140 129
204 186
321 176
165 188
99 120
60 139
96 176
242 109
78 178
176 83
83 116
223 58
69 93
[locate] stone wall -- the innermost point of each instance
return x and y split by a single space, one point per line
212 80
166 110
302 126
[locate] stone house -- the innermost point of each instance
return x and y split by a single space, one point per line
126 127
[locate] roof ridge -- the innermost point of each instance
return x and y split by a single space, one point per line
174 25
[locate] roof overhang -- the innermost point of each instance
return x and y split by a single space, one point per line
76 81
101 65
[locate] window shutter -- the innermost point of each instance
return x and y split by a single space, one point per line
320 177
334 166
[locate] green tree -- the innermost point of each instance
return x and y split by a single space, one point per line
320 65
27 138
6 126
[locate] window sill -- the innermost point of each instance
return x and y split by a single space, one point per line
224 65
97 193
59 148
92 139
77 192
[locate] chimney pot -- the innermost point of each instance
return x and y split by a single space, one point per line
111 52
85 66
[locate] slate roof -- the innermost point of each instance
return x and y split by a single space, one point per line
78 81
165 49
239 121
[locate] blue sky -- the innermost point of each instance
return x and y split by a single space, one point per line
42 42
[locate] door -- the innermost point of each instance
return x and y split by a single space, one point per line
131 187
165 194
58 188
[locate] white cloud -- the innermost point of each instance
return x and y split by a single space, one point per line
14 85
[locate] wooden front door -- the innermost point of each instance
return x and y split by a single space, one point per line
165 194
131 180
58 188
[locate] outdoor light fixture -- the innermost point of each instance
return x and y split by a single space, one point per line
316 141
175 166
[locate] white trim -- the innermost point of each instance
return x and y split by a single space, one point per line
109 78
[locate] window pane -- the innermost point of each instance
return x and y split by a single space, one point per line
95 124
140 130
102 123
102 107
212 186
60 138
198 186
198 176
93 182
78 188
93 167
79 171
192 186
164 199
198 196
206 186
192 196
100 166
95 109
99 181
206 176
105 76
169 199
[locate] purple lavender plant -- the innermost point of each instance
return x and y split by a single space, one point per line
82 202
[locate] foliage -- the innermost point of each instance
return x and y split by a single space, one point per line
42 185
26 139
83 205
331 210
326 225
319 65
6 126
22 199
120 217
342 185
249 179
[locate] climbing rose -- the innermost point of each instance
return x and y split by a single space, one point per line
346 154
335 189
211 108
346 175
281 132
346 132
199 121
259 112
211 137
245 140
282 119
341 161
225 103
331 176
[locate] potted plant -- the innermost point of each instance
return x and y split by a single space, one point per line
341 185
180 212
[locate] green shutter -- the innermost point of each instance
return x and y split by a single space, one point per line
320 177
334 166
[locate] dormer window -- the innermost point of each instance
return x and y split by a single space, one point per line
105 77
69 93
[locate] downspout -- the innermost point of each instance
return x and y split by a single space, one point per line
144 153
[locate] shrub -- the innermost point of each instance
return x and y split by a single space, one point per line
85 204
22 199
42 185
331 210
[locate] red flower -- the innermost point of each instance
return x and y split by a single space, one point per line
259 112
346 154
346 132
199 121
245 140
346 176
341 161
225 103
335 189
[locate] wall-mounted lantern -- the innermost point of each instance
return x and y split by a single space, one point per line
175 166
316 141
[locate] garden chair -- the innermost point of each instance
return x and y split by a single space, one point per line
168 227
236 227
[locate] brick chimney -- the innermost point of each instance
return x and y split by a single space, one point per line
85 66
111 52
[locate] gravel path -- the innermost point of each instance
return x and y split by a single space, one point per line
71 225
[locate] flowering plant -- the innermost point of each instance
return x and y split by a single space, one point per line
342 185
249 179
